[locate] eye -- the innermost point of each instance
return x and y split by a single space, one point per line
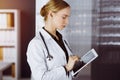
64 17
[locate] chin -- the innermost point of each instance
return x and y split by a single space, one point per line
61 27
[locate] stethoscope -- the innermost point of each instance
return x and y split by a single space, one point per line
49 56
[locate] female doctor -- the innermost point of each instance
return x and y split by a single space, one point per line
48 53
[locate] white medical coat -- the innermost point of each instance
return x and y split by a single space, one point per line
41 67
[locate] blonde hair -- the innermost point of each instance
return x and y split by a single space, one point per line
54 6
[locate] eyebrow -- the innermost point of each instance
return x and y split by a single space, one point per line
66 15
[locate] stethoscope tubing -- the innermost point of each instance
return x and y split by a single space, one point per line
50 57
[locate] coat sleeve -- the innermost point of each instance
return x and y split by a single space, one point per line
38 66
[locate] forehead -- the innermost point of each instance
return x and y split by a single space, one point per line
65 11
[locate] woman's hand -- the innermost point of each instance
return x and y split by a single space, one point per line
71 62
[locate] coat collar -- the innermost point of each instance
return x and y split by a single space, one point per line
46 34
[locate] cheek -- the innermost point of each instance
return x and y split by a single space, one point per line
58 21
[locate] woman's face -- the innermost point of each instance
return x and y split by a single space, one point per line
60 19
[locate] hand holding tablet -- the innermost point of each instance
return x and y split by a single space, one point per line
84 61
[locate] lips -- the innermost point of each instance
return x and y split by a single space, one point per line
63 25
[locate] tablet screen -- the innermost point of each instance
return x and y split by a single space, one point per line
84 61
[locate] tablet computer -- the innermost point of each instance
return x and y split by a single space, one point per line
84 61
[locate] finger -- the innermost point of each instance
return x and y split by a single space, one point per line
76 57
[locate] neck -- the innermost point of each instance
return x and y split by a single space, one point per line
51 28
52 31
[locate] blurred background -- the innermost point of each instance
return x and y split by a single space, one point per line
92 24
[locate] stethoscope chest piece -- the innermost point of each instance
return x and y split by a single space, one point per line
49 57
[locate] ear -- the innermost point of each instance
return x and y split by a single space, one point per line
51 14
